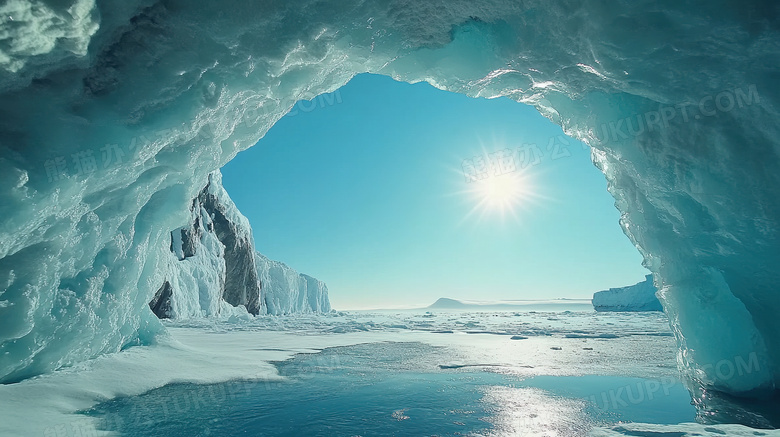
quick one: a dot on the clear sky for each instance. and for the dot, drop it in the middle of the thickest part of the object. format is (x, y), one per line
(367, 190)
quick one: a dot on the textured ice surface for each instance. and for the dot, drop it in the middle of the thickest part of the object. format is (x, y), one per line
(637, 297)
(214, 270)
(103, 149)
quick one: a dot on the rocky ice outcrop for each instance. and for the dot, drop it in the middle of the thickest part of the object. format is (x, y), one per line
(637, 297)
(214, 270)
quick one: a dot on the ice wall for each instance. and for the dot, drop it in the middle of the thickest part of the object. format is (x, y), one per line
(637, 297)
(112, 113)
(285, 291)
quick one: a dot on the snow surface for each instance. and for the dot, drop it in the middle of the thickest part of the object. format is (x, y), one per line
(637, 297)
(112, 115)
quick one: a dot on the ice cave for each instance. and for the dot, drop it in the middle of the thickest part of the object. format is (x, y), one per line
(116, 117)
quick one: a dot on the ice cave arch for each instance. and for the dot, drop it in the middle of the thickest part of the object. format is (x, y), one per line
(112, 116)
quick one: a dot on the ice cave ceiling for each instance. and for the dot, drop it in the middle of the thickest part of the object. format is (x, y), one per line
(112, 114)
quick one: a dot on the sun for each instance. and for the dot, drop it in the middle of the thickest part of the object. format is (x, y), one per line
(501, 192)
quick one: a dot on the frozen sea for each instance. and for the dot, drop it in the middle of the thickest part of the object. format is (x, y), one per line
(568, 372)
(434, 373)
(397, 389)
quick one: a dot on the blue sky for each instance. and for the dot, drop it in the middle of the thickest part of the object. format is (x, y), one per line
(366, 189)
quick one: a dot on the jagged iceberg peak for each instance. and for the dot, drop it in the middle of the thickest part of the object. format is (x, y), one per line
(211, 266)
(213, 269)
(103, 151)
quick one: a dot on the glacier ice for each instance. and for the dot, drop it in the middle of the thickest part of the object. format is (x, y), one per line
(637, 297)
(286, 291)
(104, 149)
(214, 270)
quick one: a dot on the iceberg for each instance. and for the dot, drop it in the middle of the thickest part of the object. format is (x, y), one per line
(637, 297)
(211, 264)
(285, 291)
(113, 115)
(214, 270)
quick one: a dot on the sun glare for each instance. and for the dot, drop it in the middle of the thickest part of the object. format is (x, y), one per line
(502, 192)
(504, 196)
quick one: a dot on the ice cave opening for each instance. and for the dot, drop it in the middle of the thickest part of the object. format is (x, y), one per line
(397, 195)
(714, 403)
(113, 116)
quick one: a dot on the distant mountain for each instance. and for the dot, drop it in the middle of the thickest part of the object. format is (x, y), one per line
(448, 303)
(445, 303)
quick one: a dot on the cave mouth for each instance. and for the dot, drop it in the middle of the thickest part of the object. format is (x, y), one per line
(713, 406)
(407, 194)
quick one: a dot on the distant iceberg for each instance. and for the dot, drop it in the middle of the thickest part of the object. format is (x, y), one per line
(637, 297)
